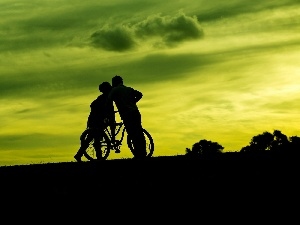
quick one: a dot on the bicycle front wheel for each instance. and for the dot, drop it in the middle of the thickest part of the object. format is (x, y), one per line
(149, 143)
(102, 153)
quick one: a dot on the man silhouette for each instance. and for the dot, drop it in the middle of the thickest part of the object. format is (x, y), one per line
(99, 114)
(126, 99)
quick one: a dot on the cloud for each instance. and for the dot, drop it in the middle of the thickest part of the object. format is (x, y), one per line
(113, 38)
(170, 29)
(157, 30)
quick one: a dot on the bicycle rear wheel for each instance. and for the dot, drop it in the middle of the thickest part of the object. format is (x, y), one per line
(149, 143)
(90, 152)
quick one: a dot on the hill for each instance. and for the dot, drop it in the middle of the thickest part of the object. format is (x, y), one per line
(158, 174)
(169, 187)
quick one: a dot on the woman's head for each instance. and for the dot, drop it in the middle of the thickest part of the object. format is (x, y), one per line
(105, 87)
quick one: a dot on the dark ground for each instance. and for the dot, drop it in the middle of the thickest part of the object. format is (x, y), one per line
(232, 180)
(170, 173)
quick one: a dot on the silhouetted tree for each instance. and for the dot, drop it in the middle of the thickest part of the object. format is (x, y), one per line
(259, 143)
(204, 148)
(262, 141)
(294, 146)
(280, 142)
(276, 143)
(248, 148)
(188, 150)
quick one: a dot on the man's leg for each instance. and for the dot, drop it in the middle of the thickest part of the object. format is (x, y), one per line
(141, 143)
(135, 131)
(140, 138)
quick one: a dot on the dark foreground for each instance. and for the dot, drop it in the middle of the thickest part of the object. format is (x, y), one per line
(249, 184)
(231, 188)
(168, 175)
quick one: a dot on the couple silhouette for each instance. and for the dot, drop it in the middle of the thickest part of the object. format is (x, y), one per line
(102, 114)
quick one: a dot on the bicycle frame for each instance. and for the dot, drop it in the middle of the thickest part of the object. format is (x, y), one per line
(110, 142)
(119, 127)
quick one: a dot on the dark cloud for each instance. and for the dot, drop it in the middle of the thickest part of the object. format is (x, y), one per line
(170, 29)
(113, 39)
(51, 27)
(166, 30)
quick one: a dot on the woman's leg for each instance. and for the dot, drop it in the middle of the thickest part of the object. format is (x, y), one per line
(84, 144)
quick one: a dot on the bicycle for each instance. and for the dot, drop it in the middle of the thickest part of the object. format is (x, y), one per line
(107, 145)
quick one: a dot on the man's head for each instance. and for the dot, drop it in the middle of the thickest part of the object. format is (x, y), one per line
(105, 87)
(116, 80)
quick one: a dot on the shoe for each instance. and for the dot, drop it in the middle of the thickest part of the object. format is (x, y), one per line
(78, 158)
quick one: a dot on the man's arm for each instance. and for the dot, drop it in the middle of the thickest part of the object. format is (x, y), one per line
(137, 95)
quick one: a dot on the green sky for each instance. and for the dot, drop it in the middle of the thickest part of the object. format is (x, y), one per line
(218, 70)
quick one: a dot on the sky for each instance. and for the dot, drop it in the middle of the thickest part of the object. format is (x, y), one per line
(223, 71)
